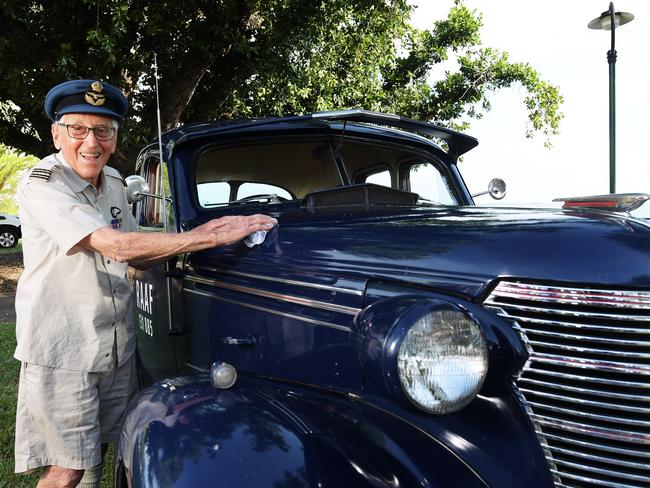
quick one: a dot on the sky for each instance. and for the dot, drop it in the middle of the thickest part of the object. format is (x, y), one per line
(552, 36)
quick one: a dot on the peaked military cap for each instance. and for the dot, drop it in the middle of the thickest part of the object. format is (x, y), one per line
(85, 97)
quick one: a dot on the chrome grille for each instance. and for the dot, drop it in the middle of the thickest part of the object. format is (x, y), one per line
(586, 385)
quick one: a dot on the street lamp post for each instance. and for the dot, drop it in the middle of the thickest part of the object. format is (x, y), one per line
(610, 20)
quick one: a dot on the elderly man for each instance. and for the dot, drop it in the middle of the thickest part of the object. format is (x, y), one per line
(74, 333)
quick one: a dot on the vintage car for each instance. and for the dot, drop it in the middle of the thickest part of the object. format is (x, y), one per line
(388, 332)
(9, 230)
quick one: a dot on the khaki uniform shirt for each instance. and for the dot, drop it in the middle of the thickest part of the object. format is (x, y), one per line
(72, 305)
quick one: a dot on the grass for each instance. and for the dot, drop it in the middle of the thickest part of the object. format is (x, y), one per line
(11, 250)
(9, 369)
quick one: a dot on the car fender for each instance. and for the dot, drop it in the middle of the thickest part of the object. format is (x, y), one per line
(186, 433)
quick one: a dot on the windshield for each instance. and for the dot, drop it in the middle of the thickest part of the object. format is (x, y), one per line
(289, 170)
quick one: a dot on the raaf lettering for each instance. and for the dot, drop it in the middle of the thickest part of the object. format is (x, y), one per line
(144, 302)
(144, 296)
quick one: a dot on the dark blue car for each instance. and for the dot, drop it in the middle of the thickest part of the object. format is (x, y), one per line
(388, 333)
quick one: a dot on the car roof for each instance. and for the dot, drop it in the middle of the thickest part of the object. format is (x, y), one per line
(457, 142)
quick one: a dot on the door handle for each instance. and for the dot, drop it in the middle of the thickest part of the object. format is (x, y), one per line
(241, 341)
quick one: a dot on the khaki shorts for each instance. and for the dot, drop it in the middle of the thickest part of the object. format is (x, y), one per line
(63, 416)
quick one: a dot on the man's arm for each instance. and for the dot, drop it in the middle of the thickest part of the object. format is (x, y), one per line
(142, 250)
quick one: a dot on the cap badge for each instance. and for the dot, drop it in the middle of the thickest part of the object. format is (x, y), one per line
(95, 97)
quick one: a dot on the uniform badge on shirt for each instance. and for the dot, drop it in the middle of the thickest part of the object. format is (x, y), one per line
(116, 222)
(41, 173)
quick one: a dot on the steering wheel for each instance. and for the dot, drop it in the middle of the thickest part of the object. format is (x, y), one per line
(270, 197)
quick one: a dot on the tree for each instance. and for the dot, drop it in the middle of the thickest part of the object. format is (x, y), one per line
(251, 58)
(12, 165)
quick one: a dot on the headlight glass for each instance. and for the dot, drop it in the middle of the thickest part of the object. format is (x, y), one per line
(442, 361)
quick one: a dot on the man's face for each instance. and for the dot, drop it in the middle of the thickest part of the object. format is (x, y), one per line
(87, 157)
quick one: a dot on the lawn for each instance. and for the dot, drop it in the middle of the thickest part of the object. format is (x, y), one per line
(11, 250)
(9, 368)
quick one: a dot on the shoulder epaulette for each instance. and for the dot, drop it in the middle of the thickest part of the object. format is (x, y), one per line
(44, 168)
(40, 173)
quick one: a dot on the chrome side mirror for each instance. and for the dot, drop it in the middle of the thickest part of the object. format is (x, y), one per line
(496, 189)
(136, 188)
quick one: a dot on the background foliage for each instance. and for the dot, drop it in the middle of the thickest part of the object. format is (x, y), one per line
(12, 165)
(253, 58)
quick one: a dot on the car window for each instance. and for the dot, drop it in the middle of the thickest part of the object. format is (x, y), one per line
(288, 169)
(251, 189)
(292, 169)
(152, 211)
(425, 180)
(366, 162)
(380, 178)
(213, 193)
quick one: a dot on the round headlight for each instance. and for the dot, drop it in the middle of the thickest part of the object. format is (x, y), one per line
(442, 361)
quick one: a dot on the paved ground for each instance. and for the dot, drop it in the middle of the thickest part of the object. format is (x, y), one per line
(11, 265)
(7, 311)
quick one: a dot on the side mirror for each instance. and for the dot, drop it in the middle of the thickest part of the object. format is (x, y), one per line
(496, 189)
(136, 188)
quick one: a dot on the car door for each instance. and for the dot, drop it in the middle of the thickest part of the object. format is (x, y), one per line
(158, 314)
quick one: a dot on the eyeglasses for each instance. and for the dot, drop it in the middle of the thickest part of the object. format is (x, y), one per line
(102, 132)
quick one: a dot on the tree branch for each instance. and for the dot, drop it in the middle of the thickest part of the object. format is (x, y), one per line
(25, 142)
(17, 36)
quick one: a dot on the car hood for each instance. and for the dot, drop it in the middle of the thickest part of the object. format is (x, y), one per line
(458, 249)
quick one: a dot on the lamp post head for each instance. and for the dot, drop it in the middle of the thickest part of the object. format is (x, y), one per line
(604, 22)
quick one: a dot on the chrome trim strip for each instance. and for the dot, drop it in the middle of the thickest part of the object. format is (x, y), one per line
(283, 281)
(600, 447)
(197, 368)
(590, 350)
(580, 401)
(606, 472)
(586, 296)
(593, 364)
(600, 340)
(590, 379)
(331, 307)
(271, 311)
(592, 431)
(568, 289)
(602, 418)
(589, 300)
(570, 313)
(608, 484)
(587, 391)
(600, 459)
(575, 325)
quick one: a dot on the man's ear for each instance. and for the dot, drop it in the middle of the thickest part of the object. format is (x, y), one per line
(55, 136)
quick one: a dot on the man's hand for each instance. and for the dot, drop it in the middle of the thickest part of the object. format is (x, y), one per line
(234, 228)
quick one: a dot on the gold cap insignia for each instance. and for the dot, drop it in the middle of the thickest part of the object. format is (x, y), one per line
(95, 97)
